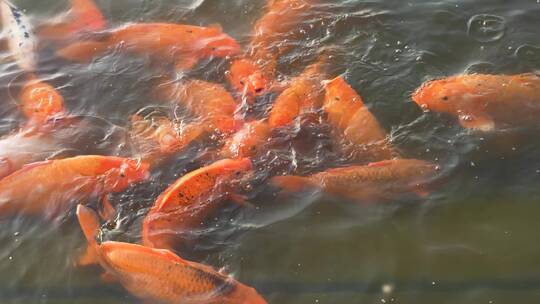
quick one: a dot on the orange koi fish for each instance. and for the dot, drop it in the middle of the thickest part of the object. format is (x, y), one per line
(380, 181)
(353, 121)
(210, 102)
(484, 102)
(255, 73)
(184, 45)
(247, 142)
(304, 94)
(189, 201)
(47, 188)
(84, 16)
(40, 102)
(157, 138)
(160, 276)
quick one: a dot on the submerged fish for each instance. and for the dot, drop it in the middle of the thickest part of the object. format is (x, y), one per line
(255, 73)
(20, 36)
(210, 102)
(40, 102)
(484, 102)
(84, 16)
(304, 94)
(158, 138)
(376, 182)
(160, 276)
(248, 141)
(183, 45)
(46, 188)
(189, 201)
(358, 130)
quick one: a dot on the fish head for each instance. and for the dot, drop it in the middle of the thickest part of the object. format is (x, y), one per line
(234, 167)
(336, 86)
(444, 95)
(41, 101)
(248, 141)
(246, 76)
(120, 173)
(218, 44)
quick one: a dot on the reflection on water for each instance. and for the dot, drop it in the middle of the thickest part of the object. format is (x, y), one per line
(471, 241)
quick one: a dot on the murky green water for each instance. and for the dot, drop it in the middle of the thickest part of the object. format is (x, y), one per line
(471, 241)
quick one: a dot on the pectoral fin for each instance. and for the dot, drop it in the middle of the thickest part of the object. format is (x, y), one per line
(107, 211)
(480, 122)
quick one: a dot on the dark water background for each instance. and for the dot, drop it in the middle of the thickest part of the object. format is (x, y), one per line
(474, 240)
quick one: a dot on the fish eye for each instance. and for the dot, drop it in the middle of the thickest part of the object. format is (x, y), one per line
(258, 90)
(214, 48)
(122, 175)
(238, 173)
(242, 82)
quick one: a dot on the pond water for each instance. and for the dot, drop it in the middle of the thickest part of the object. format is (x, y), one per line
(470, 241)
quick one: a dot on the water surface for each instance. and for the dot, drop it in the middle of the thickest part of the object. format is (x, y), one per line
(471, 241)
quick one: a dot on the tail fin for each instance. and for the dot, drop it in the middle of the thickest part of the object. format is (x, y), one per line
(86, 16)
(84, 51)
(292, 183)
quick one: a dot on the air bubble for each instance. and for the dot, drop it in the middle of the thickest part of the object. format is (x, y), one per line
(486, 28)
(529, 54)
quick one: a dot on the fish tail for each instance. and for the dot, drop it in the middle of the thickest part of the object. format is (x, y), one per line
(87, 16)
(290, 183)
(83, 51)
